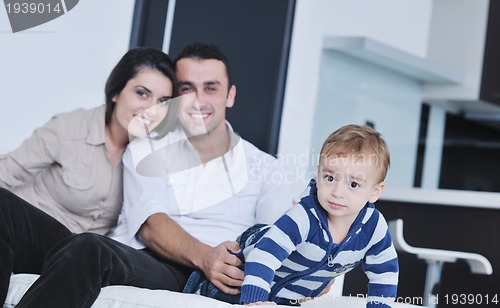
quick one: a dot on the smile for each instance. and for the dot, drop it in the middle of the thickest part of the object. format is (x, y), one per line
(199, 115)
(142, 120)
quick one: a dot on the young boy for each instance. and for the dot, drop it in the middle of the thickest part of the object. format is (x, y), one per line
(329, 232)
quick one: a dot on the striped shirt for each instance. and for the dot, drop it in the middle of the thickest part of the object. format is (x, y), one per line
(296, 258)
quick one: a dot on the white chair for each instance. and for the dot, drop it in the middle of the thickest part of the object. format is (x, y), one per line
(435, 258)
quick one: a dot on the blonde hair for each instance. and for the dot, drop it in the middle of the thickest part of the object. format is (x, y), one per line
(361, 142)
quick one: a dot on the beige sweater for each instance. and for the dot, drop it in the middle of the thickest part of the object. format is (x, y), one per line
(63, 169)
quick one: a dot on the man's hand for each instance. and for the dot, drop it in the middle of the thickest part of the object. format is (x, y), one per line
(164, 236)
(220, 267)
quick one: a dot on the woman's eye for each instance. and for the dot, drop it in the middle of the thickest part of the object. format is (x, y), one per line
(354, 185)
(141, 93)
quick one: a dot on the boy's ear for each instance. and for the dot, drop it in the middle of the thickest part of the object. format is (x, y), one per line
(376, 192)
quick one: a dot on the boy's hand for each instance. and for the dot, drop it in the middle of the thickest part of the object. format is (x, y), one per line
(327, 288)
(260, 303)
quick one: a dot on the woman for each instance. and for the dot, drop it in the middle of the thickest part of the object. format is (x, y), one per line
(71, 167)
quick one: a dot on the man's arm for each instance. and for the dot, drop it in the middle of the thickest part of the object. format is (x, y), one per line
(147, 206)
(165, 237)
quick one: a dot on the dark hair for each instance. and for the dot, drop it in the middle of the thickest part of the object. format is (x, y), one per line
(204, 51)
(128, 67)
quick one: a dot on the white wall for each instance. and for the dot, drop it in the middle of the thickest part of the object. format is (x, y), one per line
(63, 64)
(457, 39)
(60, 65)
(403, 24)
(354, 91)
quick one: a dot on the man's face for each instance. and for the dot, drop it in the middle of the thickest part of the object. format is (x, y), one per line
(204, 87)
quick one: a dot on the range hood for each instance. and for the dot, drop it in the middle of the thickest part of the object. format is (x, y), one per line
(388, 57)
(429, 72)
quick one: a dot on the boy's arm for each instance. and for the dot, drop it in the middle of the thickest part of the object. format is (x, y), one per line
(382, 269)
(268, 254)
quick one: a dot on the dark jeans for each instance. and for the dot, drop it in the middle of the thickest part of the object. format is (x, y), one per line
(26, 236)
(73, 267)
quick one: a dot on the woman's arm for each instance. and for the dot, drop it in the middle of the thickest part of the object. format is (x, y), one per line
(33, 155)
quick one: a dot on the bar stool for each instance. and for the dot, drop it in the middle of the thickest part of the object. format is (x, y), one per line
(435, 258)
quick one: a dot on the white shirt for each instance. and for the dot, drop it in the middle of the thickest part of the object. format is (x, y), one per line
(214, 202)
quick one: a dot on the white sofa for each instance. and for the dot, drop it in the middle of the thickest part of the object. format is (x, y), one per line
(120, 296)
(132, 297)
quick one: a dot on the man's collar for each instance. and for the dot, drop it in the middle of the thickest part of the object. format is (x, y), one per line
(180, 135)
(234, 138)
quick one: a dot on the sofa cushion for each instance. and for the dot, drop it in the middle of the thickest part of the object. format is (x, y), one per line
(121, 296)
(133, 297)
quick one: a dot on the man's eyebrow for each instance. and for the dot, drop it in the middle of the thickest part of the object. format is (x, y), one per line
(206, 83)
(215, 82)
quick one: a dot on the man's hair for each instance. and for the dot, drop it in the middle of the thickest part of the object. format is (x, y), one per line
(361, 142)
(202, 51)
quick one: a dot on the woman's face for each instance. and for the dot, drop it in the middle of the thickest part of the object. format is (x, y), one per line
(142, 103)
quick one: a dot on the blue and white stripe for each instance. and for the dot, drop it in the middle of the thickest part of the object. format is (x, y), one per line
(291, 261)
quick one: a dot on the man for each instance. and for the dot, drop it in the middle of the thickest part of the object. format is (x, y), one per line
(199, 238)
(172, 217)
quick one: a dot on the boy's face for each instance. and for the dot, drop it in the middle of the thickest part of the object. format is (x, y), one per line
(345, 185)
